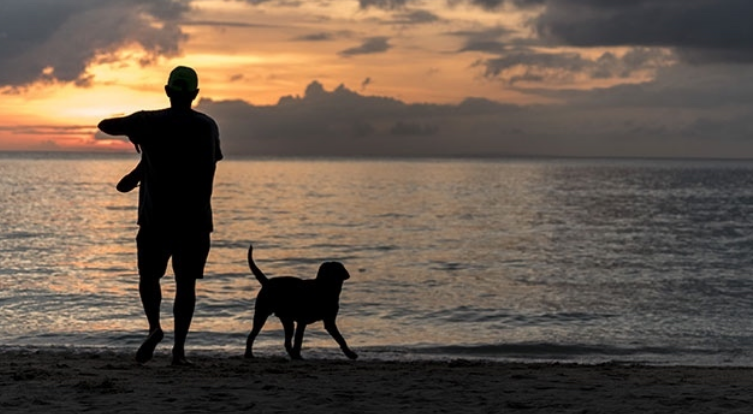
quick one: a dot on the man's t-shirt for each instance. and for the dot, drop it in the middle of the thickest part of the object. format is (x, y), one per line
(180, 149)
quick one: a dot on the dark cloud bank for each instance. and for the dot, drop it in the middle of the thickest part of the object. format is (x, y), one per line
(661, 119)
(700, 31)
(344, 123)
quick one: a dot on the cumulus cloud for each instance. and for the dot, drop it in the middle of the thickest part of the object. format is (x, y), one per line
(56, 40)
(342, 122)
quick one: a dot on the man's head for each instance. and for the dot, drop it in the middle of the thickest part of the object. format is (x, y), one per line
(182, 85)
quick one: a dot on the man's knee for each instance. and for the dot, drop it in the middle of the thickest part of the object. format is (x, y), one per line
(148, 281)
(185, 287)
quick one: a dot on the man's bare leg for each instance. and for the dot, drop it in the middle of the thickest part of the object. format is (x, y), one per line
(183, 310)
(150, 292)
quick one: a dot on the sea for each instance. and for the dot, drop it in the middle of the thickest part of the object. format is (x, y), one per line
(643, 261)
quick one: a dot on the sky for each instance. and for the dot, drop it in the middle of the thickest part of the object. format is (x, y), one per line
(432, 78)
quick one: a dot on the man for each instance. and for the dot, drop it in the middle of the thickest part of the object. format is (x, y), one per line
(179, 150)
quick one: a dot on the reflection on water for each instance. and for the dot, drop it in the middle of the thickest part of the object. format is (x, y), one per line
(493, 257)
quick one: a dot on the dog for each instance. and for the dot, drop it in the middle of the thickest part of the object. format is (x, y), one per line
(298, 301)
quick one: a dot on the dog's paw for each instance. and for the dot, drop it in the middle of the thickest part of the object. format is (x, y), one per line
(350, 354)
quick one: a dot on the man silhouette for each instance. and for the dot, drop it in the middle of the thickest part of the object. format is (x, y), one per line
(179, 151)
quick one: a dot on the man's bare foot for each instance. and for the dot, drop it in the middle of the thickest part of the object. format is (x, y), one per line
(181, 361)
(146, 350)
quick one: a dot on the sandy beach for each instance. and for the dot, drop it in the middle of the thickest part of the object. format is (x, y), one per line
(63, 381)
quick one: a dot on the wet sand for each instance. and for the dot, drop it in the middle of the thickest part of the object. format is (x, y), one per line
(64, 381)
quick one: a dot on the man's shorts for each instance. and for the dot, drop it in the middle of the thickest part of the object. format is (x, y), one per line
(189, 251)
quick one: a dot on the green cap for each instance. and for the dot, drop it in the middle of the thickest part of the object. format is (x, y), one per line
(183, 79)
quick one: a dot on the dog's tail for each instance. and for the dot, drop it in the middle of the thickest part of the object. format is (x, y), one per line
(260, 276)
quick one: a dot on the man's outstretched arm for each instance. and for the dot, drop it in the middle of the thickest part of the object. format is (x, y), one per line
(115, 126)
(126, 125)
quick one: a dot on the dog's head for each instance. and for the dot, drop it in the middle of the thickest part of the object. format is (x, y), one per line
(332, 272)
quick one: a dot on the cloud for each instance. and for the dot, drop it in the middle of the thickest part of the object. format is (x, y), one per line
(49, 41)
(278, 3)
(701, 31)
(495, 5)
(722, 88)
(47, 130)
(487, 4)
(514, 61)
(48, 145)
(487, 40)
(255, 2)
(383, 4)
(698, 31)
(366, 82)
(379, 44)
(316, 37)
(212, 23)
(413, 129)
(101, 136)
(413, 17)
(529, 65)
(324, 36)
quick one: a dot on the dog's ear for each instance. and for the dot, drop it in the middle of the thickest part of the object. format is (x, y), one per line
(332, 271)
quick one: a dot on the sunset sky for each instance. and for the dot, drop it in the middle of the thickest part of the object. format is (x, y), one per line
(667, 78)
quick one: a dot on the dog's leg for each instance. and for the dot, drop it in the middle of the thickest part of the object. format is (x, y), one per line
(288, 325)
(259, 319)
(331, 327)
(298, 343)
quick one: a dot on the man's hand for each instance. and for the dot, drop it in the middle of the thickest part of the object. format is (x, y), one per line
(128, 183)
